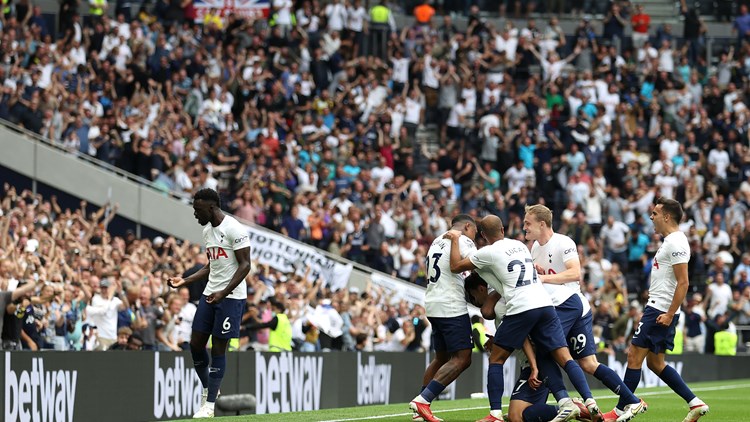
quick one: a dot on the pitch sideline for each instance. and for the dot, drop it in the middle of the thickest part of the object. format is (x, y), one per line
(645, 393)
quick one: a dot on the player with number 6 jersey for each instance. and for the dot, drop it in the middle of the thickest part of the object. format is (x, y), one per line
(445, 305)
(220, 309)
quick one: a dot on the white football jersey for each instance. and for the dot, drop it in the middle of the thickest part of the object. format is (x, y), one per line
(674, 250)
(445, 296)
(507, 267)
(221, 242)
(552, 257)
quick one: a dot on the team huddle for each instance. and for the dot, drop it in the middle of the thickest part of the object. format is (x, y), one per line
(542, 317)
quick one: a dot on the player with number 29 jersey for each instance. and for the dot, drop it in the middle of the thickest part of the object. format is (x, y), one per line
(507, 267)
(445, 296)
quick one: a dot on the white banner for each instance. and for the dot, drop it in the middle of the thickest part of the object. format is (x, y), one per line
(289, 256)
(399, 289)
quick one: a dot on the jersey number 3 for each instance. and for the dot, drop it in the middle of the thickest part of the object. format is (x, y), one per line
(522, 280)
(435, 259)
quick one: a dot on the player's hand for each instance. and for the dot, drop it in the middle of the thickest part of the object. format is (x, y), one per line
(175, 282)
(664, 319)
(452, 235)
(539, 269)
(216, 297)
(488, 343)
(534, 380)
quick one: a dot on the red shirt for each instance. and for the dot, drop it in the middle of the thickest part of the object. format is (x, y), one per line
(640, 23)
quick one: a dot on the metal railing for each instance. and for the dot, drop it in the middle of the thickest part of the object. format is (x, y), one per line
(93, 160)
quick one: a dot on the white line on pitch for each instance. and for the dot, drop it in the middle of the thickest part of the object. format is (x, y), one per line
(645, 393)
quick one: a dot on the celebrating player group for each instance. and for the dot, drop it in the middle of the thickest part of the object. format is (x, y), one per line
(535, 298)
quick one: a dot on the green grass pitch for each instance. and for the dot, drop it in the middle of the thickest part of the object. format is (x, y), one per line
(729, 402)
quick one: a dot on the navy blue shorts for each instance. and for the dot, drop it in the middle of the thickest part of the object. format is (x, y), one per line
(451, 334)
(578, 330)
(542, 324)
(523, 391)
(652, 336)
(221, 320)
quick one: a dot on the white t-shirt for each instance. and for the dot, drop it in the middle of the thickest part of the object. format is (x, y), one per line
(221, 242)
(721, 160)
(103, 314)
(356, 18)
(615, 236)
(507, 267)
(552, 257)
(184, 329)
(674, 250)
(413, 111)
(445, 296)
(336, 14)
(719, 301)
(400, 70)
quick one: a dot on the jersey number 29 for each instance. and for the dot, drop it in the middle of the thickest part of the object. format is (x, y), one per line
(522, 280)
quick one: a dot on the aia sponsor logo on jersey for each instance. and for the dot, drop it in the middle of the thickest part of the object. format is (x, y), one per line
(215, 253)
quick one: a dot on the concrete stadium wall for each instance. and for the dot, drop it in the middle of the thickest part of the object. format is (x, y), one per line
(143, 386)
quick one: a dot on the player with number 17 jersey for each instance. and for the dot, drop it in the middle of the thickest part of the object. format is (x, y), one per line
(445, 296)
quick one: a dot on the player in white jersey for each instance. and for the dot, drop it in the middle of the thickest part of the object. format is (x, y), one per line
(507, 267)
(556, 260)
(528, 401)
(445, 305)
(220, 309)
(655, 332)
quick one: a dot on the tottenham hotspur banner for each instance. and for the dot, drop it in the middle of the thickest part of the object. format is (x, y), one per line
(289, 256)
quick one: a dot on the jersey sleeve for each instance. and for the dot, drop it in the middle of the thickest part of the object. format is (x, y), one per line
(481, 258)
(568, 249)
(466, 246)
(679, 253)
(239, 237)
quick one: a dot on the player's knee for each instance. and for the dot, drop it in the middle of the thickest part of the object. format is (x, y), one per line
(589, 364)
(655, 364)
(464, 361)
(515, 413)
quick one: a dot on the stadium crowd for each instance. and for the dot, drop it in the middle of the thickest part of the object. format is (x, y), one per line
(309, 134)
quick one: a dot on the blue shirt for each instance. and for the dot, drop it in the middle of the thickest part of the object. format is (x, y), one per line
(526, 153)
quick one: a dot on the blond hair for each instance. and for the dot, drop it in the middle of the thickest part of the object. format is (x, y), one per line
(541, 213)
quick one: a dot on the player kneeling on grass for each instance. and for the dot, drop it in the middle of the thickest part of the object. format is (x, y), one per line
(528, 401)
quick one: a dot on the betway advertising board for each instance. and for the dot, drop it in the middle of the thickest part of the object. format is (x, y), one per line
(148, 386)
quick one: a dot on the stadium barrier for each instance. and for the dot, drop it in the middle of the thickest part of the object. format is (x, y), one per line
(146, 386)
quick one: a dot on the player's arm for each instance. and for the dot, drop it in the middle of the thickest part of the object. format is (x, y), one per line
(572, 273)
(528, 349)
(243, 268)
(199, 276)
(458, 265)
(681, 274)
(488, 307)
(261, 325)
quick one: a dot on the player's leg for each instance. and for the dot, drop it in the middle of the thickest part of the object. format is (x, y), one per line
(202, 327)
(528, 404)
(453, 336)
(673, 379)
(548, 335)
(509, 336)
(228, 315)
(583, 349)
(440, 359)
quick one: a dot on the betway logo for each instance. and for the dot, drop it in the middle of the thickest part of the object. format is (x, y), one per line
(287, 383)
(373, 381)
(177, 390)
(648, 377)
(39, 395)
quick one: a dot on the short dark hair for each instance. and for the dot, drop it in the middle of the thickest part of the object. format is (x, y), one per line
(208, 195)
(473, 281)
(462, 218)
(671, 207)
(277, 304)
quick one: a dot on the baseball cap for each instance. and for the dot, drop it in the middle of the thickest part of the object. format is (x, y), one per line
(158, 240)
(105, 282)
